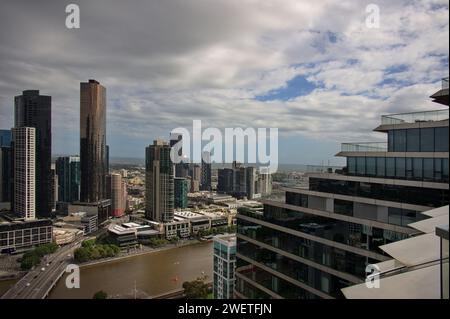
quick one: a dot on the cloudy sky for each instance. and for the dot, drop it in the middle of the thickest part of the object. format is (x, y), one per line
(311, 68)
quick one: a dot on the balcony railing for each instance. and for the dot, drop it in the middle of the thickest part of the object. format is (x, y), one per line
(414, 117)
(364, 147)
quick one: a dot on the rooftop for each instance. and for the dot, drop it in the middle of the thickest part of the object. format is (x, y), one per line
(415, 117)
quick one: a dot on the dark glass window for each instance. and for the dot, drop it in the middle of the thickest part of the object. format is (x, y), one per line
(400, 167)
(351, 165)
(361, 165)
(428, 169)
(381, 166)
(427, 140)
(399, 140)
(343, 207)
(445, 169)
(438, 169)
(441, 139)
(296, 199)
(390, 166)
(417, 168)
(413, 140)
(371, 168)
(409, 168)
(391, 141)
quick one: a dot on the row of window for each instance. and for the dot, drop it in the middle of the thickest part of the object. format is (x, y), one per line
(351, 234)
(332, 257)
(411, 168)
(397, 193)
(298, 271)
(434, 139)
(396, 216)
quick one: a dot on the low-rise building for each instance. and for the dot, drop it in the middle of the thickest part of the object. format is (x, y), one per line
(63, 236)
(197, 221)
(22, 235)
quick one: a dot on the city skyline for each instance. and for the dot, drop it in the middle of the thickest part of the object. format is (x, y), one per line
(284, 63)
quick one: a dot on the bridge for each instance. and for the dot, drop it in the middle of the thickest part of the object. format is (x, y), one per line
(38, 283)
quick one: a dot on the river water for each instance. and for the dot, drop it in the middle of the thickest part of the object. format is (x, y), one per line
(152, 274)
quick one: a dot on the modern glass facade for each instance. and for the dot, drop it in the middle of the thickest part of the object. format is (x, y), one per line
(320, 239)
(181, 187)
(69, 174)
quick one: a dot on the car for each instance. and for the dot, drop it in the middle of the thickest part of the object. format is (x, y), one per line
(28, 284)
(42, 269)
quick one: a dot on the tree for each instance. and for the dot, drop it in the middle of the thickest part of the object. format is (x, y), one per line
(196, 289)
(100, 295)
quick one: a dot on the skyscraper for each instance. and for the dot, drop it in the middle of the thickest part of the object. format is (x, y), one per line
(181, 186)
(5, 138)
(159, 185)
(320, 239)
(224, 266)
(205, 181)
(24, 171)
(68, 171)
(34, 110)
(93, 154)
(116, 191)
(6, 175)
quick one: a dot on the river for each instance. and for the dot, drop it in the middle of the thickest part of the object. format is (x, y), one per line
(154, 273)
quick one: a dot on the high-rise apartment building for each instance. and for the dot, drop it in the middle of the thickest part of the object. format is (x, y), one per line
(34, 110)
(159, 185)
(320, 239)
(224, 266)
(181, 188)
(117, 192)
(93, 152)
(24, 139)
(195, 173)
(205, 178)
(69, 175)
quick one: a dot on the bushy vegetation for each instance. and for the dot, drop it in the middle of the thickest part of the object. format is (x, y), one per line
(196, 289)
(100, 295)
(154, 242)
(91, 250)
(217, 230)
(33, 257)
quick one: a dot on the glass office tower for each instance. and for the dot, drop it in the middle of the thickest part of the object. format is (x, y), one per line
(320, 239)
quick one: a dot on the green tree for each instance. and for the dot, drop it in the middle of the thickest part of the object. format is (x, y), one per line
(100, 295)
(196, 289)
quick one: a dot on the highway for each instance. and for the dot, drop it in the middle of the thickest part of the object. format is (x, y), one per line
(37, 282)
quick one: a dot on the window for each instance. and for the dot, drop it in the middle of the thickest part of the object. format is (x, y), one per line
(417, 168)
(428, 169)
(343, 207)
(399, 140)
(351, 165)
(381, 166)
(391, 141)
(409, 168)
(371, 168)
(413, 140)
(390, 166)
(441, 139)
(400, 166)
(427, 140)
(361, 165)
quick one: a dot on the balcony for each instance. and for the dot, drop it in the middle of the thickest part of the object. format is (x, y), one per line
(414, 117)
(364, 147)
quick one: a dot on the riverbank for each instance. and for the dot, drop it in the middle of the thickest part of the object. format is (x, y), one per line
(141, 252)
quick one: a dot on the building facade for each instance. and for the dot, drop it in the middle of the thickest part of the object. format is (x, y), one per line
(181, 188)
(5, 138)
(18, 236)
(116, 190)
(224, 266)
(24, 139)
(34, 110)
(159, 183)
(93, 152)
(69, 176)
(320, 239)
(205, 177)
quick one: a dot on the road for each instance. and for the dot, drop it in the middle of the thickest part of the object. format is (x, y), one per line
(37, 282)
